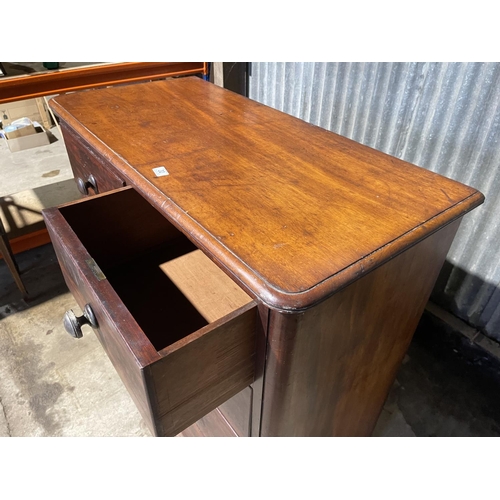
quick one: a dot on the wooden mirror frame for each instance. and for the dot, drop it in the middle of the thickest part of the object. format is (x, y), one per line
(15, 88)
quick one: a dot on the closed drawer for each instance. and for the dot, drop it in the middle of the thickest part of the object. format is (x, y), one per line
(180, 333)
(93, 175)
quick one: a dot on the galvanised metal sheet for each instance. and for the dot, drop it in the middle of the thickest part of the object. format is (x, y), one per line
(441, 116)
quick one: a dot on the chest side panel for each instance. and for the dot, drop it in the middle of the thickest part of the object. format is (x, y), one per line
(329, 370)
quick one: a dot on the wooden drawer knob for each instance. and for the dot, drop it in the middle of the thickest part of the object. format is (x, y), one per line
(83, 186)
(73, 323)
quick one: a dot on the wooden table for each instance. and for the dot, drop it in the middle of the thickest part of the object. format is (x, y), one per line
(246, 272)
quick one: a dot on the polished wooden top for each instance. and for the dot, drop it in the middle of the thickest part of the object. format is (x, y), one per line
(292, 211)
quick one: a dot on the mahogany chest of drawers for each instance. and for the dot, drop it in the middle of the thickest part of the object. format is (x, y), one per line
(247, 273)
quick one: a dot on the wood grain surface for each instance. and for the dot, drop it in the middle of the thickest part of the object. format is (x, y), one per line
(289, 210)
(330, 368)
(204, 370)
(213, 293)
(84, 162)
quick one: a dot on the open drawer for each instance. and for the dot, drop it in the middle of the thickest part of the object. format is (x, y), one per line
(180, 333)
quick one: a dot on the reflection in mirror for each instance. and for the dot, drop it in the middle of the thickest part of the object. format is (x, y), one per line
(28, 68)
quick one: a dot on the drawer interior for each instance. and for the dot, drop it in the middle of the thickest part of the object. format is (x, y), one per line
(170, 287)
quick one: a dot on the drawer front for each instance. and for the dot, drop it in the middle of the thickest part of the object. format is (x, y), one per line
(204, 370)
(87, 288)
(175, 386)
(86, 163)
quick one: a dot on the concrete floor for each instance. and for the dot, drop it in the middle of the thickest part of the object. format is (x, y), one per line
(34, 168)
(32, 180)
(53, 385)
(50, 383)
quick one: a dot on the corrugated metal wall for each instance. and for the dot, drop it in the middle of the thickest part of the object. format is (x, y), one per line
(441, 116)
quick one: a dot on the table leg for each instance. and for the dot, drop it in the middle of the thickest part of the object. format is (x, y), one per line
(8, 256)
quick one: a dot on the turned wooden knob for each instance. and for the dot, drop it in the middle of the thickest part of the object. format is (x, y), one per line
(73, 323)
(83, 186)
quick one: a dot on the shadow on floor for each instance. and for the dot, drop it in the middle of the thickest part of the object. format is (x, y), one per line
(41, 275)
(12, 69)
(22, 212)
(447, 385)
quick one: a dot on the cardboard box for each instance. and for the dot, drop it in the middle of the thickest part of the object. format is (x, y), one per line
(34, 109)
(21, 132)
(38, 137)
